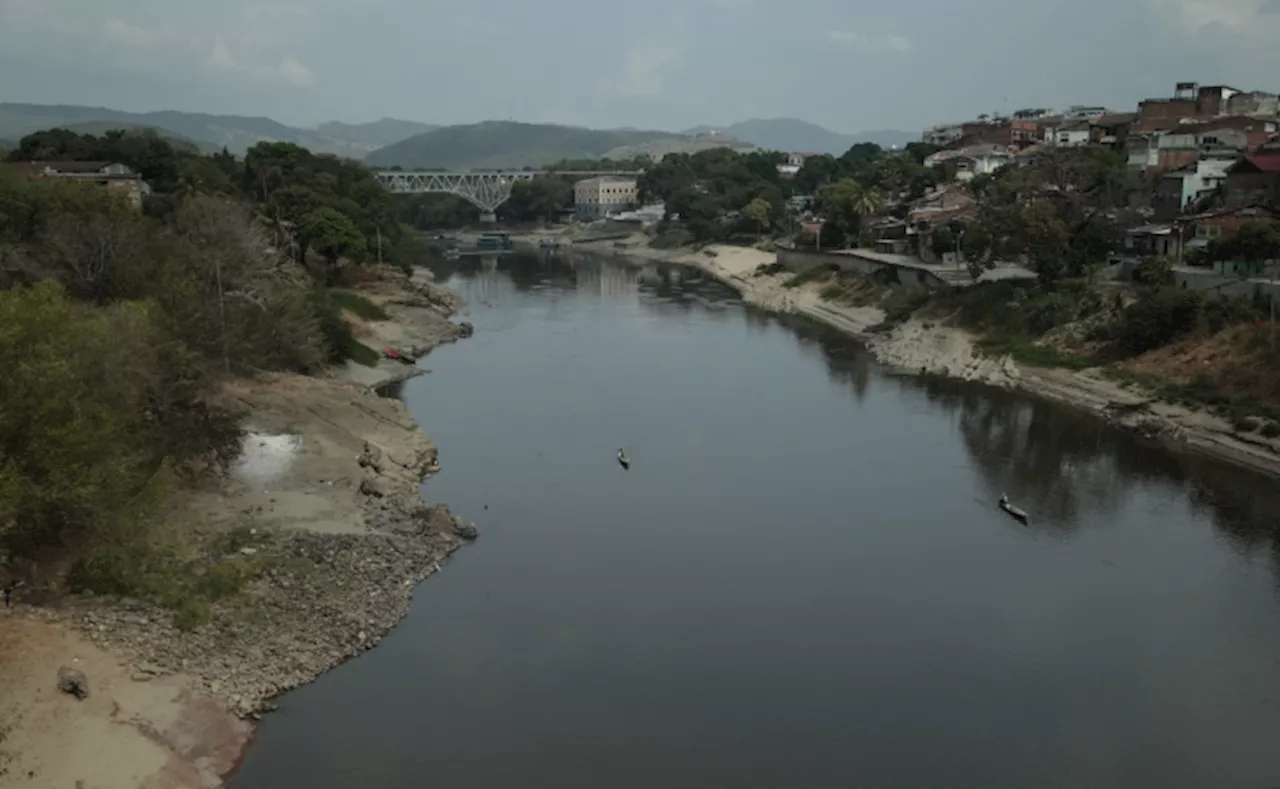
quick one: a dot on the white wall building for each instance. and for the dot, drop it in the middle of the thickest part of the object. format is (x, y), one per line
(596, 198)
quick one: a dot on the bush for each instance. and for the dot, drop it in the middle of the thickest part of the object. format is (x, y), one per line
(1157, 319)
(358, 305)
(1271, 430)
(810, 274)
(671, 239)
(341, 344)
(97, 404)
(1245, 424)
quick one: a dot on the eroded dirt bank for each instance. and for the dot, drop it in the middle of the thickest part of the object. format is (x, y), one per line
(919, 346)
(323, 509)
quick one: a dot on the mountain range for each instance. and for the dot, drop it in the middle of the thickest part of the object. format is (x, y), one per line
(410, 144)
(508, 145)
(234, 132)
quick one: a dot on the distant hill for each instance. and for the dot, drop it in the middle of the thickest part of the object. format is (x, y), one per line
(378, 134)
(236, 133)
(507, 145)
(794, 135)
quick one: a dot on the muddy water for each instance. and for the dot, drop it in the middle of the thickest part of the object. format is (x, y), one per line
(801, 581)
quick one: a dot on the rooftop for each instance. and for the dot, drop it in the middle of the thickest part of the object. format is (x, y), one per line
(1262, 162)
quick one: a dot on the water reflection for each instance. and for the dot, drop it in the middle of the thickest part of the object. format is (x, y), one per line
(802, 580)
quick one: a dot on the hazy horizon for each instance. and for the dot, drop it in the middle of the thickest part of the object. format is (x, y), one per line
(848, 67)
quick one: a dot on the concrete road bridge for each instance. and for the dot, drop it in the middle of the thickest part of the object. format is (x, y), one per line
(483, 189)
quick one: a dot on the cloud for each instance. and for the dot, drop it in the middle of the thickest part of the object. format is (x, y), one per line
(877, 45)
(649, 61)
(1193, 16)
(288, 70)
(178, 43)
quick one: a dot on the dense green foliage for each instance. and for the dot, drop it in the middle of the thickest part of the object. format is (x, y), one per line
(1059, 212)
(116, 325)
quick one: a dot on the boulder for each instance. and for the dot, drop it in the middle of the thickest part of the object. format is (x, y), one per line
(375, 487)
(466, 531)
(73, 682)
(371, 457)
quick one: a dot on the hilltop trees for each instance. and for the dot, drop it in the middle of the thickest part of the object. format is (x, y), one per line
(117, 326)
(1059, 211)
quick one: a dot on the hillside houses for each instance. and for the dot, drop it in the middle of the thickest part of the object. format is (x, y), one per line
(1203, 148)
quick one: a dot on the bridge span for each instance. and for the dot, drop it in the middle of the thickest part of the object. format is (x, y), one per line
(483, 189)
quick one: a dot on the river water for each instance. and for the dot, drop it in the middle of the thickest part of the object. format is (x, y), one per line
(803, 579)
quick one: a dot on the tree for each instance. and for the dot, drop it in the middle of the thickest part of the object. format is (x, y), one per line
(1253, 244)
(330, 233)
(844, 203)
(758, 211)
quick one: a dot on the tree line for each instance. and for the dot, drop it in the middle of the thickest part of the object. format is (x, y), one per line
(117, 326)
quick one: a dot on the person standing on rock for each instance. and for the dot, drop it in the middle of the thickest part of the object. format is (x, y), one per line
(8, 593)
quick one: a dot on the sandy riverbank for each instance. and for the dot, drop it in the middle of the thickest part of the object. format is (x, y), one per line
(325, 499)
(919, 346)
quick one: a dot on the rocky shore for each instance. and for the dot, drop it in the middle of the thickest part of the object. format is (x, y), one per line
(323, 511)
(931, 348)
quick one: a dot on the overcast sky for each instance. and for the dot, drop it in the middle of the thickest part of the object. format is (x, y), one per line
(849, 65)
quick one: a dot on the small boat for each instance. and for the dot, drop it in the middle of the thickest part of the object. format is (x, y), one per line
(623, 460)
(1015, 512)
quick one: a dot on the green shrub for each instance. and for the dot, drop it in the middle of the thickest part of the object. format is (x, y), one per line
(831, 292)
(358, 305)
(1271, 430)
(1245, 424)
(671, 239)
(810, 274)
(1157, 319)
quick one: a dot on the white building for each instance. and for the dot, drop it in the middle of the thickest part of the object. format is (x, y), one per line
(944, 134)
(596, 198)
(1069, 134)
(973, 160)
(1080, 112)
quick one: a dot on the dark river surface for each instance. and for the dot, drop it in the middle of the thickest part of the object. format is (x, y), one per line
(803, 580)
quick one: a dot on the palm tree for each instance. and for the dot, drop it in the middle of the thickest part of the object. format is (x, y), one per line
(866, 201)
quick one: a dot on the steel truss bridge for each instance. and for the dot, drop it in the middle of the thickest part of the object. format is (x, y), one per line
(485, 190)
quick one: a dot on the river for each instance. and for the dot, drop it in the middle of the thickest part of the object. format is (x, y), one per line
(803, 579)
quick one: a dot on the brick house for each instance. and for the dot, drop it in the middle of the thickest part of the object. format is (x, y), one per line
(1255, 179)
(1190, 100)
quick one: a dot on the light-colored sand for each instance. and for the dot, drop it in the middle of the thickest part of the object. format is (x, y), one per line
(153, 733)
(299, 471)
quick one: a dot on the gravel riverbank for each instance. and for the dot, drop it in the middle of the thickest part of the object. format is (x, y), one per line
(323, 509)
